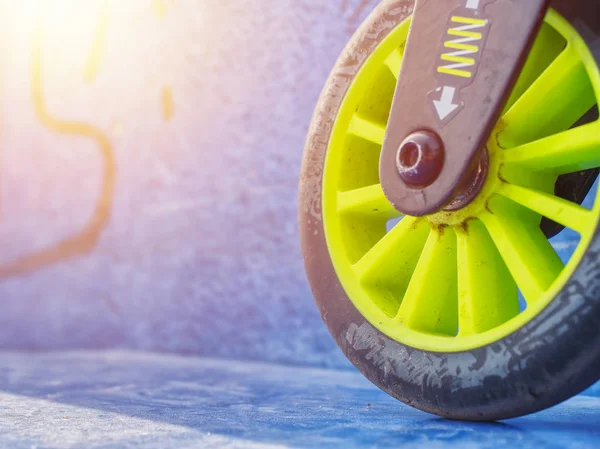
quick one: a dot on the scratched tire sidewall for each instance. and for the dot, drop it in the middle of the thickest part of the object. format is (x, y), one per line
(551, 358)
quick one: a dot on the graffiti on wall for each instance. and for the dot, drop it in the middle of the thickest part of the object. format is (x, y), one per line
(84, 240)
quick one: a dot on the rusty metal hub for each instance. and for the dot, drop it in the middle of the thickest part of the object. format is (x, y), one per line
(472, 184)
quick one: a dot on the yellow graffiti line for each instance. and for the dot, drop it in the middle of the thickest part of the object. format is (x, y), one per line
(160, 8)
(92, 66)
(86, 239)
(168, 104)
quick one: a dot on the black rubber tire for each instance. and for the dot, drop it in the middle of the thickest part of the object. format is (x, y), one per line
(550, 359)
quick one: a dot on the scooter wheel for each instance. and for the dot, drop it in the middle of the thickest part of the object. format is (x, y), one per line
(469, 313)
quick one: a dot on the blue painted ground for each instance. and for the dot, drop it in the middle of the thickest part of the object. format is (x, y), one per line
(128, 400)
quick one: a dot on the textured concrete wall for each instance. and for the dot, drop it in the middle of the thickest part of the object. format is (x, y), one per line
(149, 160)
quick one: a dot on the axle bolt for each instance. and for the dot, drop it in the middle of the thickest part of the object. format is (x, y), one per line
(420, 159)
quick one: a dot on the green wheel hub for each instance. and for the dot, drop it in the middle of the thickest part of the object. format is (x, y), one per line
(453, 281)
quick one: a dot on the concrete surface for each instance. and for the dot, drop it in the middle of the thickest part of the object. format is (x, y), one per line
(196, 249)
(129, 400)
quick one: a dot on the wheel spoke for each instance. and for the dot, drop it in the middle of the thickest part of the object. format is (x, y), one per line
(546, 47)
(532, 261)
(431, 300)
(553, 103)
(397, 249)
(394, 62)
(556, 209)
(568, 152)
(487, 294)
(368, 130)
(370, 201)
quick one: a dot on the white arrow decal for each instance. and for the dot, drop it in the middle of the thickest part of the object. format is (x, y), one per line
(473, 4)
(445, 105)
